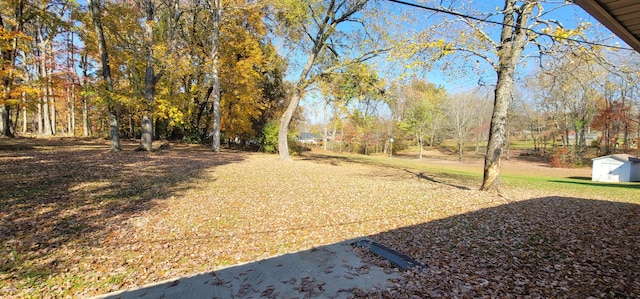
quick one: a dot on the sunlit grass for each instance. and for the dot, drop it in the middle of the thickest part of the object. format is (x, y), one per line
(472, 177)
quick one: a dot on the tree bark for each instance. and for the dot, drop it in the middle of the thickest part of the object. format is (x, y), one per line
(73, 110)
(324, 125)
(69, 129)
(106, 75)
(150, 80)
(85, 100)
(40, 124)
(215, 75)
(5, 121)
(513, 38)
(24, 113)
(42, 70)
(52, 98)
(420, 144)
(85, 117)
(46, 115)
(283, 143)
(7, 80)
(326, 27)
(460, 146)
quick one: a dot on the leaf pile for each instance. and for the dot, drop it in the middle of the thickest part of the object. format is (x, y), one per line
(78, 221)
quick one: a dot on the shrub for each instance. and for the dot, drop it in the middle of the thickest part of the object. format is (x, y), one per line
(268, 140)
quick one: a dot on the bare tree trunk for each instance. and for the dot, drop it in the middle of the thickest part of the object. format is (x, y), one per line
(52, 98)
(132, 133)
(460, 146)
(17, 117)
(85, 100)
(507, 142)
(72, 106)
(42, 69)
(106, 74)
(85, 117)
(69, 129)
(341, 137)
(24, 113)
(52, 110)
(73, 109)
(5, 121)
(283, 143)
(333, 136)
(46, 116)
(40, 124)
(215, 73)
(324, 126)
(146, 139)
(420, 144)
(9, 55)
(513, 38)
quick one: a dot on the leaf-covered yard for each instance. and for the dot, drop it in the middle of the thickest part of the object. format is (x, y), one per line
(79, 221)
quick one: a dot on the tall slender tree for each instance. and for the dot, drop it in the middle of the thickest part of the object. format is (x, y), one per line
(216, 14)
(150, 78)
(315, 26)
(94, 7)
(513, 38)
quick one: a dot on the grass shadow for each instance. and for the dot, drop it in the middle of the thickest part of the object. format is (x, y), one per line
(543, 247)
(424, 176)
(70, 195)
(448, 179)
(633, 185)
(581, 178)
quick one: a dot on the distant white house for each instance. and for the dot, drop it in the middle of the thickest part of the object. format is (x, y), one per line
(616, 168)
(309, 138)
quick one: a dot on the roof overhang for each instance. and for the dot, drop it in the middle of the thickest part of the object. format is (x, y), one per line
(622, 17)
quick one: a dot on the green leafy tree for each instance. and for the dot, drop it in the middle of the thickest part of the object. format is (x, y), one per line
(423, 111)
(316, 31)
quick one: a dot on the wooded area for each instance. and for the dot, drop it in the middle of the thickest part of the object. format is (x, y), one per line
(239, 72)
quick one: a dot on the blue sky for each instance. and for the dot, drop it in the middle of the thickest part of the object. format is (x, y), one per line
(568, 15)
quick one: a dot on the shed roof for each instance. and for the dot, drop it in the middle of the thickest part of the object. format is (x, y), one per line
(307, 135)
(622, 17)
(620, 157)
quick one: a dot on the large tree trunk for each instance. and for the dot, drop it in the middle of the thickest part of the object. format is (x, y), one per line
(215, 79)
(5, 121)
(7, 78)
(146, 140)
(44, 77)
(106, 74)
(513, 38)
(283, 143)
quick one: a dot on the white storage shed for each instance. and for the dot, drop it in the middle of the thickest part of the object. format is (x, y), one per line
(616, 168)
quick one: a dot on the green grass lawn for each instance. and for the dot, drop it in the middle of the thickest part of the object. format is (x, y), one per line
(454, 174)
